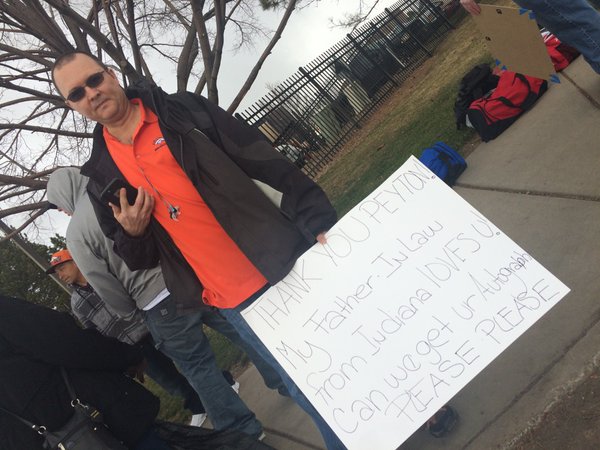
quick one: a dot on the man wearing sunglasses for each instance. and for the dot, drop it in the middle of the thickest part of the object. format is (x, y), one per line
(223, 213)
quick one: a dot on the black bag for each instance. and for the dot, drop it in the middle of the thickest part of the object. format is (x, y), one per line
(475, 84)
(83, 431)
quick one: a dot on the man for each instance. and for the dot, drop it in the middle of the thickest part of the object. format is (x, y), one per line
(574, 22)
(180, 336)
(93, 313)
(201, 210)
(36, 341)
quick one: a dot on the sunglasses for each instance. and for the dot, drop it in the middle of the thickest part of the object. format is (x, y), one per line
(93, 81)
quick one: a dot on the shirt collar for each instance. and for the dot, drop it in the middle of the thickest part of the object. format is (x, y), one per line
(147, 115)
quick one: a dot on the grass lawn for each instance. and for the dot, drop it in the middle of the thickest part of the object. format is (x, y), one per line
(417, 115)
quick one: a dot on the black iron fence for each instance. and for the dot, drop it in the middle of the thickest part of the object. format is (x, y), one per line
(311, 114)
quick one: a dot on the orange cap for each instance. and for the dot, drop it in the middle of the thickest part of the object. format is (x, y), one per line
(61, 256)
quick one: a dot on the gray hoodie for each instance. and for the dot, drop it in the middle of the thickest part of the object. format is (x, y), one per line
(122, 289)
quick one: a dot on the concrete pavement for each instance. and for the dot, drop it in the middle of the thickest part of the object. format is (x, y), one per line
(539, 183)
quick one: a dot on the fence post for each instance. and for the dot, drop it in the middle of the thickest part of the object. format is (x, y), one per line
(378, 31)
(362, 51)
(312, 81)
(438, 13)
(404, 29)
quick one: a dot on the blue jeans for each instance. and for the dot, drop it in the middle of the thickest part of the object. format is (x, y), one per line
(181, 338)
(152, 441)
(213, 319)
(234, 317)
(162, 370)
(574, 22)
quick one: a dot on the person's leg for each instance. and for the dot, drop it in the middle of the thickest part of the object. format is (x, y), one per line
(152, 441)
(213, 319)
(181, 338)
(235, 318)
(574, 22)
(162, 370)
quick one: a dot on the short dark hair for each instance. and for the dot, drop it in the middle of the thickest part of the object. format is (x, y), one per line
(68, 57)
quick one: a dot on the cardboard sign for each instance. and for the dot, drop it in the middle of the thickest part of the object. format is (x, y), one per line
(514, 40)
(413, 295)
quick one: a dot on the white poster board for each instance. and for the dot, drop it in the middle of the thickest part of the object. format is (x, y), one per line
(413, 295)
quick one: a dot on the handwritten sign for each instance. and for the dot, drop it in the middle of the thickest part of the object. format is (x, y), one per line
(414, 293)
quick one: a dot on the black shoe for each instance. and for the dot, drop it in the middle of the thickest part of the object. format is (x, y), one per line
(442, 422)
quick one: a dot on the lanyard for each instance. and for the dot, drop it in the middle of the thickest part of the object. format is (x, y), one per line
(174, 211)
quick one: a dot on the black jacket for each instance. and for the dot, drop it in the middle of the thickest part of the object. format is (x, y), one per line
(34, 342)
(224, 158)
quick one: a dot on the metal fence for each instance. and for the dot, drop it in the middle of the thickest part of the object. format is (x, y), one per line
(311, 114)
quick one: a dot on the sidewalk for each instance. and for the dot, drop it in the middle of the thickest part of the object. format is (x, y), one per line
(539, 182)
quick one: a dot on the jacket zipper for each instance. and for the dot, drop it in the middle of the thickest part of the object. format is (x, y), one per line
(209, 175)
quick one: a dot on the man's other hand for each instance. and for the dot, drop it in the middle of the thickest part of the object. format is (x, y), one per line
(471, 6)
(137, 372)
(321, 239)
(134, 218)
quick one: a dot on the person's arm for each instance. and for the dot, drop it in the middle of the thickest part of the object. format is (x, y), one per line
(96, 271)
(55, 338)
(471, 6)
(139, 252)
(77, 309)
(303, 201)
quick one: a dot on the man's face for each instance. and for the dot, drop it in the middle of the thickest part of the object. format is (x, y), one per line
(105, 103)
(68, 272)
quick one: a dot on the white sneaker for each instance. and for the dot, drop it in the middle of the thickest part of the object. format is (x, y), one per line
(236, 387)
(198, 420)
(262, 436)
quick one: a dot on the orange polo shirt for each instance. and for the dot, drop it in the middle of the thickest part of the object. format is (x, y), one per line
(226, 273)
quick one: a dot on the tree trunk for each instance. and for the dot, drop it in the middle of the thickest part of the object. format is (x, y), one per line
(256, 69)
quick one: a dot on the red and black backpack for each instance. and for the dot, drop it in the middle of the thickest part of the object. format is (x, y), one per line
(514, 95)
(561, 54)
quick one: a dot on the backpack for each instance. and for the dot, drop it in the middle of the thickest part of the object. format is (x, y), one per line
(475, 84)
(444, 161)
(561, 54)
(515, 94)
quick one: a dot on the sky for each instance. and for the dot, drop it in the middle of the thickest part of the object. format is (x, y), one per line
(307, 35)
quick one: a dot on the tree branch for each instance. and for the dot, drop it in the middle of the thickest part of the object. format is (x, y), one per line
(9, 126)
(256, 69)
(22, 181)
(103, 42)
(22, 208)
(29, 221)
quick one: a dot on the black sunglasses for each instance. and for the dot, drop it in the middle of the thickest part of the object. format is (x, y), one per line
(93, 81)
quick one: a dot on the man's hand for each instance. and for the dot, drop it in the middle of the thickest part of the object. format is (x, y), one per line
(321, 239)
(137, 372)
(471, 6)
(134, 218)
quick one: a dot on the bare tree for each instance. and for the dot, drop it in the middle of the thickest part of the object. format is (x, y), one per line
(363, 11)
(136, 37)
(38, 131)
